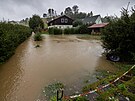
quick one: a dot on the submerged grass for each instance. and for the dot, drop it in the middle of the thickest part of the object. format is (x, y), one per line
(89, 37)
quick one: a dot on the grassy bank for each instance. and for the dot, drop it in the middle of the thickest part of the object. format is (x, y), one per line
(10, 37)
(123, 90)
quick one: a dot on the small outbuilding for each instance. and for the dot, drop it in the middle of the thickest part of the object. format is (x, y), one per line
(96, 28)
(61, 22)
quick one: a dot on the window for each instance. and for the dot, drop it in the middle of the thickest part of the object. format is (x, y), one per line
(66, 20)
(62, 20)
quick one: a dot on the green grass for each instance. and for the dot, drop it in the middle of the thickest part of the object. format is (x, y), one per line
(125, 88)
(44, 32)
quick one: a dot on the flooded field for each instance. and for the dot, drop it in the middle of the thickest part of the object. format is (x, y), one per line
(59, 58)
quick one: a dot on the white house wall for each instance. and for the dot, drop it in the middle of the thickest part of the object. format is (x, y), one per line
(98, 21)
(61, 26)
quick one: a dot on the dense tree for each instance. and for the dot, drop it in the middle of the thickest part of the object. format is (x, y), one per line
(61, 13)
(44, 15)
(119, 36)
(81, 15)
(55, 14)
(50, 12)
(68, 11)
(77, 23)
(109, 18)
(75, 9)
(36, 23)
(90, 14)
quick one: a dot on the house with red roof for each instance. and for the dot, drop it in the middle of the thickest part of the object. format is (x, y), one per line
(96, 28)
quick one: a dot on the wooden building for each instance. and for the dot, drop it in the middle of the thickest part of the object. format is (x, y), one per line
(61, 22)
(96, 28)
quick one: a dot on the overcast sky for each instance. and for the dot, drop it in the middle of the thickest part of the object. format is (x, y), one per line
(20, 9)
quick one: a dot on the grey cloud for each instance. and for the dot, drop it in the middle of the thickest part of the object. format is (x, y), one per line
(19, 9)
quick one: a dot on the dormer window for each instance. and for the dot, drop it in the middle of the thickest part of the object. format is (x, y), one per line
(62, 20)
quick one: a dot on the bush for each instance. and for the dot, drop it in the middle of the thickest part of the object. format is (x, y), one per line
(77, 30)
(10, 37)
(67, 31)
(37, 37)
(51, 31)
(119, 36)
(83, 29)
(55, 31)
(81, 99)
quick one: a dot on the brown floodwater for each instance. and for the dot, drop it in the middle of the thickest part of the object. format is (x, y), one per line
(60, 58)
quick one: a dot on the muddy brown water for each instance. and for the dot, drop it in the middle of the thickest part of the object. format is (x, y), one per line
(60, 58)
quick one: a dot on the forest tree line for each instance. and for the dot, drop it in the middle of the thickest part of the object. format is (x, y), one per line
(72, 12)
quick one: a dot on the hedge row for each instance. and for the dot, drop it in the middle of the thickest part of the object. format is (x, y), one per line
(55, 31)
(10, 37)
(77, 30)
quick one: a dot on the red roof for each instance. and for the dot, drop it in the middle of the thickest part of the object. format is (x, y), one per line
(98, 25)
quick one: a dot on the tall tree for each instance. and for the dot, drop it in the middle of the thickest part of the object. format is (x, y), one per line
(49, 12)
(81, 15)
(68, 11)
(90, 14)
(52, 12)
(61, 13)
(36, 23)
(44, 15)
(119, 37)
(75, 9)
(55, 13)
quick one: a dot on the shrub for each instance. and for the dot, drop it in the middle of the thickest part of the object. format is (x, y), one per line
(37, 37)
(83, 29)
(51, 90)
(10, 37)
(55, 31)
(81, 99)
(119, 38)
(51, 31)
(67, 31)
(77, 30)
